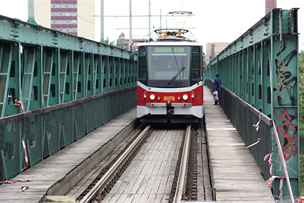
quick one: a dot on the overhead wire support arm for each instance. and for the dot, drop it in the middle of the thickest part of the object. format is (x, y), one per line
(141, 16)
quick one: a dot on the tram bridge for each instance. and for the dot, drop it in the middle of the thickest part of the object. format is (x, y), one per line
(59, 95)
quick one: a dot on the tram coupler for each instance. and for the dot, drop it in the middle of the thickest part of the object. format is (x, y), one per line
(170, 109)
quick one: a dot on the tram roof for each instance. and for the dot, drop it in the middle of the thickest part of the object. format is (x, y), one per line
(168, 43)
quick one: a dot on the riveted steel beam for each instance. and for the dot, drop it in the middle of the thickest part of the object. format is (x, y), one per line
(22, 32)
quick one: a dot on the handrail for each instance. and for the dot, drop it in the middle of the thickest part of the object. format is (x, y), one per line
(283, 161)
(262, 116)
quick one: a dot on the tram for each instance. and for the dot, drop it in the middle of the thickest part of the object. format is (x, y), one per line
(169, 86)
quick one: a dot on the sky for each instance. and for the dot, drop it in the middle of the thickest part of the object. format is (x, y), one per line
(213, 20)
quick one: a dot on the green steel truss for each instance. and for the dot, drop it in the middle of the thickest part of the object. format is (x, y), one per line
(43, 67)
(261, 68)
(68, 85)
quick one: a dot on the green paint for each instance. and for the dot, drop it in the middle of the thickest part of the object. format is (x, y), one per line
(301, 122)
(261, 68)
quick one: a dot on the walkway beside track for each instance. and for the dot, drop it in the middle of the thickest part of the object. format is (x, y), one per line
(49, 171)
(236, 175)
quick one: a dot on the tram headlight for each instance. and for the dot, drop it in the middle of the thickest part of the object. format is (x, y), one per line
(152, 97)
(185, 97)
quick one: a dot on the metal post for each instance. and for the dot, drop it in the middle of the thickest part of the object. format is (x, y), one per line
(149, 19)
(130, 23)
(160, 19)
(31, 12)
(101, 20)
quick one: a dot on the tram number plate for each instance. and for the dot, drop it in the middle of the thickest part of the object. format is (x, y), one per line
(169, 98)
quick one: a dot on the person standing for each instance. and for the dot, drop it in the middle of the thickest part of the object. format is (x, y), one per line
(19, 104)
(216, 89)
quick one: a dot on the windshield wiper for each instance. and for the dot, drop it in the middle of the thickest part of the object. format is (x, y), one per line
(177, 74)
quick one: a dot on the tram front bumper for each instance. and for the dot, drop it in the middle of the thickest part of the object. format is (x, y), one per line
(170, 109)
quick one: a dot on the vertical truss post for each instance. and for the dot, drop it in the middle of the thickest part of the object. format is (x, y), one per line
(284, 86)
(301, 128)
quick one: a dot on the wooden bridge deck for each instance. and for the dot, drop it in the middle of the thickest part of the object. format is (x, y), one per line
(236, 175)
(49, 171)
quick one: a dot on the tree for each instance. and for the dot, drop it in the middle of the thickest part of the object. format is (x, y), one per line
(301, 61)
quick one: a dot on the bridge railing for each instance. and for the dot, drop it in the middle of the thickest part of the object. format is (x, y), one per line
(260, 68)
(54, 89)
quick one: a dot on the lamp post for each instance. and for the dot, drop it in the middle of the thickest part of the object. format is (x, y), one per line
(149, 19)
(130, 24)
(31, 12)
(101, 20)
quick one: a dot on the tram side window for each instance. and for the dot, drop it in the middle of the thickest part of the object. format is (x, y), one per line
(196, 61)
(142, 64)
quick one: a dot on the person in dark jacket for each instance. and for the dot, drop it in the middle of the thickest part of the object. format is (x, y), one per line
(216, 89)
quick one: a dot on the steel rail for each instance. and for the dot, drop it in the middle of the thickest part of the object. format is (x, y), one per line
(183, 168)
(104, 179)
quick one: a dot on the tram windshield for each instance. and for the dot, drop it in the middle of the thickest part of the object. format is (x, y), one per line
(169, 66)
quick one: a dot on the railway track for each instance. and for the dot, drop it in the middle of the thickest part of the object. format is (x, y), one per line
(99, 189)
(182, 172)
(193, 175)
(84, 176)
(162, 168)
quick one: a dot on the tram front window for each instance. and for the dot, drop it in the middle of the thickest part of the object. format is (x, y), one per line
(168, 66)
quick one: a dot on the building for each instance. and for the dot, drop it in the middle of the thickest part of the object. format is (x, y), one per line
(213, 49)
(123, 42)
(86, 18)
(70, 16)
(269, 5)
(64, 16)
